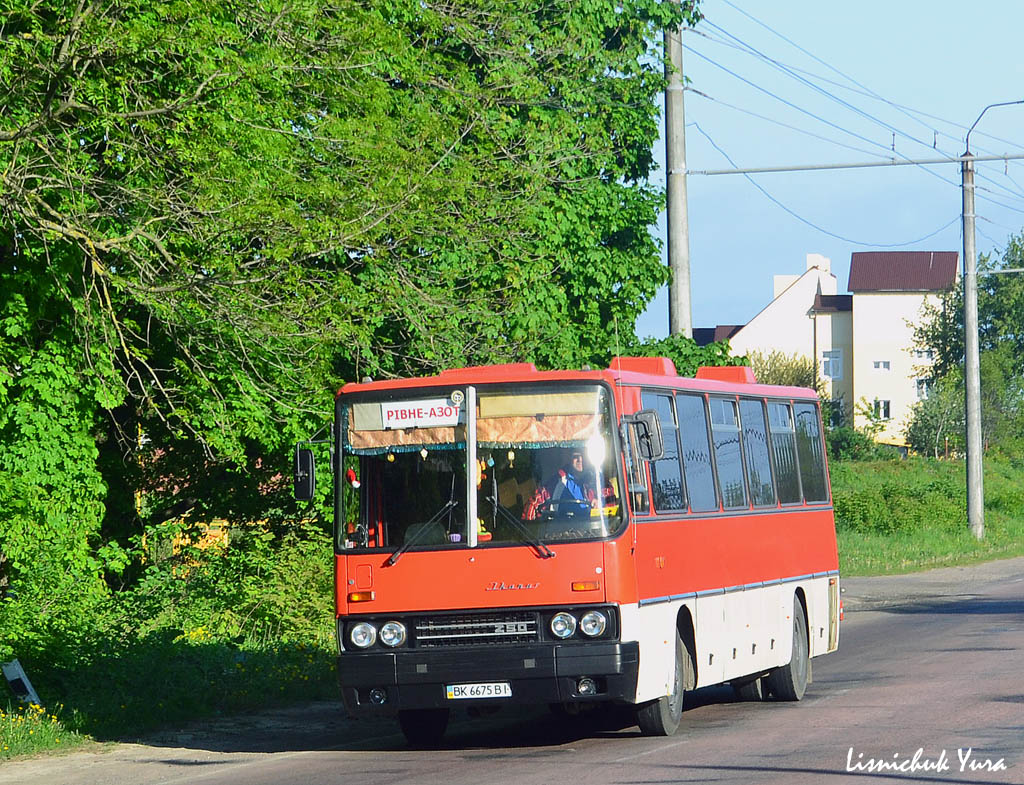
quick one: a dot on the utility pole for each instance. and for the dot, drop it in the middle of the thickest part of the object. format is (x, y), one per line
(972, 362)
(680, 319)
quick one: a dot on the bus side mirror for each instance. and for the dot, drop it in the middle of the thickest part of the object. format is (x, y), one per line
(649, 441)
(305, 474)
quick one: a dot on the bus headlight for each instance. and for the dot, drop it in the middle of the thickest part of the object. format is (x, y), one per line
(563, 625)
(392, 634)
(363, 635)
(593, 624)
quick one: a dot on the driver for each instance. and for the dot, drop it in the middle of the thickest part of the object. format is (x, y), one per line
(568, 487)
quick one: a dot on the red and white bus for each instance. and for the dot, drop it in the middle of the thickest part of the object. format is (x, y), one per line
(508, 535)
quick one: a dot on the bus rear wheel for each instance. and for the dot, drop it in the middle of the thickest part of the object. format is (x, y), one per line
(752, 690)
(661, 717)
(789, 682)
(423, 727)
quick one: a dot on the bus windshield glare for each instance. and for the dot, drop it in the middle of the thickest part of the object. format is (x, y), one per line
(542, 463)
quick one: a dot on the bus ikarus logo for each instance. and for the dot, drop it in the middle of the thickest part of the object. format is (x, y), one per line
(502, 586)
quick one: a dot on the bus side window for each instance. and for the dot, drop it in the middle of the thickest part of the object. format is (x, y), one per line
(693, 427)
(787, 473)
(725, 427)
(811, 452)
(755, 443)
(667, 491)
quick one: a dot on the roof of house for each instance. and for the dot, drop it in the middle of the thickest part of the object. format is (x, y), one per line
(902, 271)
(705, 335)
(832, 303)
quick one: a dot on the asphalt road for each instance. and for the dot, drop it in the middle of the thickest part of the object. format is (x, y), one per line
(928, 662)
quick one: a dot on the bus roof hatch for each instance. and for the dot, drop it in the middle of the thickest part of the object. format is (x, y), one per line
(737, 374)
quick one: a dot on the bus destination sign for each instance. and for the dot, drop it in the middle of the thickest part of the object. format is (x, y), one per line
(419, 414)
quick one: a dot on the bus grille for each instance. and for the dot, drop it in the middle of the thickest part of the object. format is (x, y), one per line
(476, 630)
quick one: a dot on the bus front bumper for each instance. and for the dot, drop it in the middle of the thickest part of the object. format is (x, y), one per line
(381, 683)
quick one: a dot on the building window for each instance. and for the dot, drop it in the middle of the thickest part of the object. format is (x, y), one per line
(924, 388)
(924, 354)
(832, 364)
(882, 409)
(881, 365)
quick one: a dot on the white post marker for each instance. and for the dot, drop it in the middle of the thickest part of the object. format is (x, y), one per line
(19, 683)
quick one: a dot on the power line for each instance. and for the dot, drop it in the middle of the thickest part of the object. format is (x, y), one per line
(793, 74)
(790, 104)
(908, 111)
(995, 244)
(811, 114)
(780, 123)
(811, 223)
(855, 165)
(817, 59)
(797, 74)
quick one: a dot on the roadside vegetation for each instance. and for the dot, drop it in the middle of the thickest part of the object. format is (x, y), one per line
(895, 516)
(211, 217)
(28, 729)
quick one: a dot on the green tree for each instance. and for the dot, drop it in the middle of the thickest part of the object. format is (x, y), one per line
(1001, 339)
(213, 214)
(936, 424)
(777, 367)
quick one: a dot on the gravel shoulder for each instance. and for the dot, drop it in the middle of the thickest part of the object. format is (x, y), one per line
(946, 583)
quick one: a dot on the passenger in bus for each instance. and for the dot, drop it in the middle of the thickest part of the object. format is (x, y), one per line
(568, 491)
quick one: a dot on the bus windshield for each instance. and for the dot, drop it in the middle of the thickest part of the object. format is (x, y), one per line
(542, 468)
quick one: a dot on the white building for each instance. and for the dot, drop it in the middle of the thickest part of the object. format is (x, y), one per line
(862, 342)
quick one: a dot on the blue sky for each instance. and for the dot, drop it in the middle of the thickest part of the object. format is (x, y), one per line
(853, 81)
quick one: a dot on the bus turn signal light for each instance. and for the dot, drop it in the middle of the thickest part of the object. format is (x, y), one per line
(360, 596)
(586, 585)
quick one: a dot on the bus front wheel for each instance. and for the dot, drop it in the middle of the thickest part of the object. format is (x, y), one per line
(661, 717)
(788, 682)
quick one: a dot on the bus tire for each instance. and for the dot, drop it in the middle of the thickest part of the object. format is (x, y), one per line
(752, 690)
(788, 682)
(661, 716)
(423, 727)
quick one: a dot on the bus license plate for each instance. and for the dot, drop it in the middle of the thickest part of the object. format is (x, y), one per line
(484, 689)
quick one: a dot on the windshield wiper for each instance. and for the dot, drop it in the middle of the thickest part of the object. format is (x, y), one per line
(417, 535)
(542, 550)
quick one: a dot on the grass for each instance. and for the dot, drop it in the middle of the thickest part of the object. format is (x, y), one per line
(161, 682)
(27, 730)
(909, 515)
(158, 683)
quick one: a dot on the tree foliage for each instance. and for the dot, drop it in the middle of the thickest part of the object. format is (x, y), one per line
(937, 424)
(777, 367)
(213, 213)
(685, 354)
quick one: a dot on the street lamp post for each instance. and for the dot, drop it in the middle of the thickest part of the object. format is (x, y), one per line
(972, 364)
